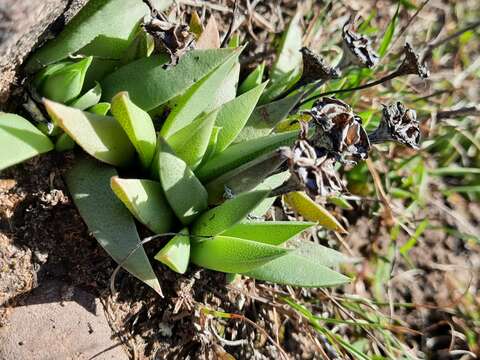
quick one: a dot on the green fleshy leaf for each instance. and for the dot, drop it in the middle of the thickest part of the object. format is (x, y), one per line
(66, 83)
(220, 218)
(212, 143)
(268, 232)
(42, 75)
(184, 192)
(98, 70)
(138, 126)
(146, 201)
(64, 143)
(201, 97)
(108, 219)
(320, 254)
(271, 183)
(253, 79)
(241, 153)
(228, 90)
(150, 85)
(141, 46)
(265, 117)
(245, 177)
(191, 142)
(100, 136)
(234, 115)
(101, 108)
(103, 25)
(297, 270)
(176, 253)
(233, 255)
(20, 140)
(89, 99)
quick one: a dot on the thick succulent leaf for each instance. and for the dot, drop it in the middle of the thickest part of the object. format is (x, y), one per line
(253, 79)
(191, 142)
(234, 115)
(176, 253)
(210, 37)
(245, 177)
(150, 85)
(142, 46)
(287, 68)
(89, 99)
(64, 143)
(268, 232)
(212, 143)
(101, 108)
(146, 201)
(297, 270)
(107, 218)
(66, 83)
(311, 211)
(320, 254)
(184, 192)
(222, 217)
(138, 126)
(270, 183)
(98, 70)
(228, 90)
(109, 22)
(233, 255)
(100, 136)
(265, 117)
(43, 74)
(241, 153)
(20, 140)
(199, 98)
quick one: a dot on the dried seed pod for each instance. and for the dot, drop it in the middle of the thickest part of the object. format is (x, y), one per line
(357, 47)
(314, 170)
(315, 68)
(175, 39)
(398, 124)
(339, 130)
(411, 64)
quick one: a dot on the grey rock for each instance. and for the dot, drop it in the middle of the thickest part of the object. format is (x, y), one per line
(58, 322)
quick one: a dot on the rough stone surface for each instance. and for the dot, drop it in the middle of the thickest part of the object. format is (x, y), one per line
(58, 322)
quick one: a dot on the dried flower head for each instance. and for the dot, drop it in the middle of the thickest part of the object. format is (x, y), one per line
(398, 124)
(411, 64)
(315, 68)
(339, 130)
(175, 39)
(358, 47)
(313, 168)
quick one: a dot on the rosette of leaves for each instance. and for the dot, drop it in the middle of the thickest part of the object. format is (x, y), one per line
(173, 147)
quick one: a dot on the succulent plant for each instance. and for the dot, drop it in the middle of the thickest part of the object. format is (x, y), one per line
(165, 136)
